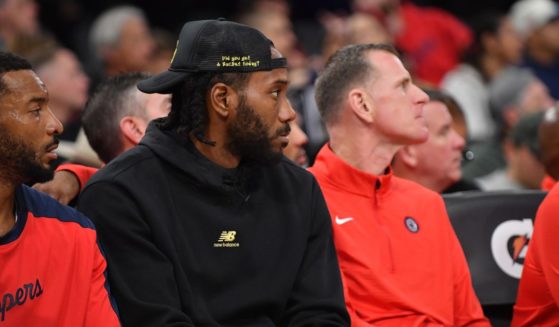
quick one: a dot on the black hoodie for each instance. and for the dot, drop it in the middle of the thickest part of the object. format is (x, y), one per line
(190, 243)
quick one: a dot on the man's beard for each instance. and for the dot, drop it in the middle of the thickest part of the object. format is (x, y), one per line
(19, 163)
(249, 140)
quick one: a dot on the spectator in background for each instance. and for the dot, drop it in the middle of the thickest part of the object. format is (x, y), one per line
(401, 262)
(53, 271)
(17, 18)
(537, 21)
(295, 149)
(67, 83)
(118, 113)
(524, 169)
(495, 47)
(431, 39)
(121, 41)
(357, 28)
(549, 146)
(165, 44)
(363, 29)
(513, 93)
(435, 163)
(276, 25)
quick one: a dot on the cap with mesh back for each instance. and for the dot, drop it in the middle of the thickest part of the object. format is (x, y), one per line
(214, 46)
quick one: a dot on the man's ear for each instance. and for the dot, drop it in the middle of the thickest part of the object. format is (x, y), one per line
(133, 129)
(408, 156)
(361, 105)
(222, 99)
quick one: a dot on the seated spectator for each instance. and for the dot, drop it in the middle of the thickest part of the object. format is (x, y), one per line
(117, 115)
(524, 169)
(17, 18)
(214, 225)
(163, 51)
(363, 28)
(436, 163)
(537, 21)
(295, 149)
(496, 46)
(432, 39)
(515, 92)
(53, 272)
(121, 42)
(400, 260)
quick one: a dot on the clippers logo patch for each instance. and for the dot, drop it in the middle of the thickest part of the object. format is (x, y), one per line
(411, 224)
(227, 240)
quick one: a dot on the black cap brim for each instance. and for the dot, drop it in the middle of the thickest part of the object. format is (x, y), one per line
(162, 83)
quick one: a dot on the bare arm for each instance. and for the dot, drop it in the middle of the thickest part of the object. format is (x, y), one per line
(64, 187)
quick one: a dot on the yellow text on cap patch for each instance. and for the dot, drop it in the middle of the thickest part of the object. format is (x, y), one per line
(237, 61)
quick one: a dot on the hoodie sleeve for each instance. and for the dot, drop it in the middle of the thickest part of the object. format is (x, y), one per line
(317, 297)
(141, 276)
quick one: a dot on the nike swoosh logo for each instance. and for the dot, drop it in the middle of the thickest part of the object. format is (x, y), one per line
(341, 221)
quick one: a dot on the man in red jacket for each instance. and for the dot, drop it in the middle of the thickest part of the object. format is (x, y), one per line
(401, 262)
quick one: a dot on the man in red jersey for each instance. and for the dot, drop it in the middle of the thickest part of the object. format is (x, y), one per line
(537, 302)
(52, 272)
(401, 262)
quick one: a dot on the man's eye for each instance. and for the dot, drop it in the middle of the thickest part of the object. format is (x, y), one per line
(36, 112)
(275, 93)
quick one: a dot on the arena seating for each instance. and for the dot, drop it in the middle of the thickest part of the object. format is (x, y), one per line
(494, 229)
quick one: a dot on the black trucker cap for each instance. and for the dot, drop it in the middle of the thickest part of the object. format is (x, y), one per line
(214, 46)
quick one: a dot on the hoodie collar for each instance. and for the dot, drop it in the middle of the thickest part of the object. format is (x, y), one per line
(181, 153)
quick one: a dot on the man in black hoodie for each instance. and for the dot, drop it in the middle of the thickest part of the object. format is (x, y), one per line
(205, 223)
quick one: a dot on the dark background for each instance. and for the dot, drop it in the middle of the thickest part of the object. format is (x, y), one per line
(69, 20)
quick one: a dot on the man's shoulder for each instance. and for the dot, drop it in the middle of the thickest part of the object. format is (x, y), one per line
(133, 162)
(298, 172)
(42, 206)
(286, 175)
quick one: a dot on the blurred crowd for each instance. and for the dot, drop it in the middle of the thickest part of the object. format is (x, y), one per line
(494, 74)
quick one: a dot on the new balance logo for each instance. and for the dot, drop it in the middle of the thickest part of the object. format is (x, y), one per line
(19, 297)
(227, 240)
(227, 236)
(341, 221)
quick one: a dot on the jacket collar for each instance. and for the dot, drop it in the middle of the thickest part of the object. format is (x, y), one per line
(334, 170)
